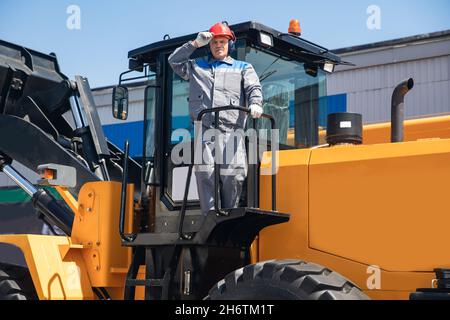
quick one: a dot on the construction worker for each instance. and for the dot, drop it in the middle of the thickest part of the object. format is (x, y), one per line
(219, 81)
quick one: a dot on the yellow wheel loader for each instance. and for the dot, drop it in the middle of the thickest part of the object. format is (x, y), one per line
(331, 210)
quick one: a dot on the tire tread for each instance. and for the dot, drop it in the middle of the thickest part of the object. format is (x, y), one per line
(297, 278)
(16, 283)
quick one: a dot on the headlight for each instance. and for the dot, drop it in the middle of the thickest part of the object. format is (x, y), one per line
(265, 39)
(328, 67)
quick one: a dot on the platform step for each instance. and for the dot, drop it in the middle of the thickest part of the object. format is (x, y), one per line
(236, 229)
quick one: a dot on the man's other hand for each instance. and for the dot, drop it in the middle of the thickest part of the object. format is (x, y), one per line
(256, 111)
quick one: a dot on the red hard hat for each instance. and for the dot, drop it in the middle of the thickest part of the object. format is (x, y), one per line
(220, 29)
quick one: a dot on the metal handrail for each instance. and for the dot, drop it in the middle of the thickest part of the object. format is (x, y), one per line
(123, 197)
(218, 210)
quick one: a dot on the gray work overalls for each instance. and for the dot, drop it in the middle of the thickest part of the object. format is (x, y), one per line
(216, 83)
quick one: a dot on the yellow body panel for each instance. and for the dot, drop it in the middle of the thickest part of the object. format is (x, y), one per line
(56, 266)
(344, 214)
(96, 226)
(424, 128)
(383, 204)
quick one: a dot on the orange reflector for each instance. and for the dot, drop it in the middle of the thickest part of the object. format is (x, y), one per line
(48, 174)
(294, 27)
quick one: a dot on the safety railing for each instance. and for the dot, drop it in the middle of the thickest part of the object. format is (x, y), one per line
(217, 208)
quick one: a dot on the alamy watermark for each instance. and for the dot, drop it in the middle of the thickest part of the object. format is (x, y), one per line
(73, 21)
(374, 279)
(226, 148)
(73, 280)
(374, 19)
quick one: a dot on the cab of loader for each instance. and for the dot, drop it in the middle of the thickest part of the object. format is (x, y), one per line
(292, 72)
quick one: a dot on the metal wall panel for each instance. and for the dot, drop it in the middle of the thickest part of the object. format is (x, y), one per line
(369, 89)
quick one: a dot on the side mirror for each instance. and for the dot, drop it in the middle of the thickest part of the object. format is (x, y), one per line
(120, 103)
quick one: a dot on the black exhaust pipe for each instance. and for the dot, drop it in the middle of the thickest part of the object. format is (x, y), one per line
(398, 109)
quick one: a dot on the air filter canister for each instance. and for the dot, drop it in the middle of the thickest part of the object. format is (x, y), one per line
(344, 128)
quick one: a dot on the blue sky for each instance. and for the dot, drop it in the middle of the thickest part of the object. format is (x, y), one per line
(109, 29)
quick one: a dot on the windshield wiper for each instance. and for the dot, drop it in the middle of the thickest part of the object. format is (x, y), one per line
(266, 75)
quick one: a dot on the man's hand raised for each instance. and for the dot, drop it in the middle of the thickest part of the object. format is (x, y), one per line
(203, 38)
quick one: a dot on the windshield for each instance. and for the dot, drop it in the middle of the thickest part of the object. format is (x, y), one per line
(294, 94)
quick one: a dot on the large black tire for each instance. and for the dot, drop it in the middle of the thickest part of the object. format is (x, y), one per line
(16, 283)
(285, 280)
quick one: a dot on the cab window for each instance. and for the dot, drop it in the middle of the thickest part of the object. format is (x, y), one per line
(294, 94)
